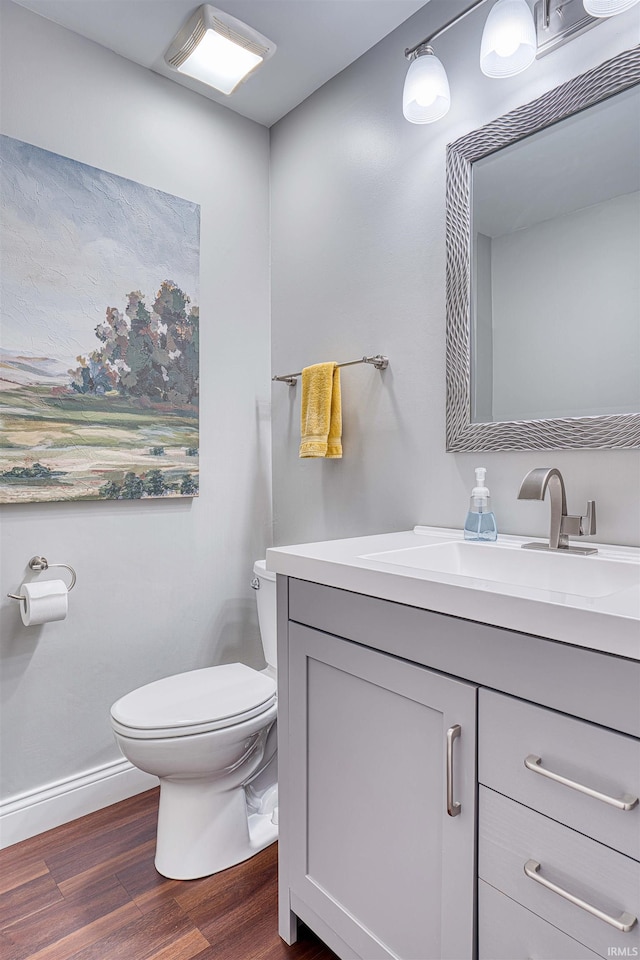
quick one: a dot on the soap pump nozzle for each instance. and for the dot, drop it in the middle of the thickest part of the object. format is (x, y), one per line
(480, 493)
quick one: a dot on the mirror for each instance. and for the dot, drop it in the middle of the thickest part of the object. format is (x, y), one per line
(543, 289)
(555, 270)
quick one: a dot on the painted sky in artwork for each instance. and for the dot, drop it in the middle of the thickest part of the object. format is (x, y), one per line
(76, 240)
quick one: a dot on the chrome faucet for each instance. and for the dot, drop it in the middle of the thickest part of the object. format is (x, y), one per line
(533, 487)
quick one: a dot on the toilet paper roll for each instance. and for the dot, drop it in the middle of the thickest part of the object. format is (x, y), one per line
(44, 601)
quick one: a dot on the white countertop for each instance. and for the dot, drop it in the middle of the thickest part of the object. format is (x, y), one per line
(609, 624)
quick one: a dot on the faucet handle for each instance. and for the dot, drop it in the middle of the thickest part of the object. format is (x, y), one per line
(588, 522)
(580, 526)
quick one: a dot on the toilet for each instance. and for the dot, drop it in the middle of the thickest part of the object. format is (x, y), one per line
(210, 737)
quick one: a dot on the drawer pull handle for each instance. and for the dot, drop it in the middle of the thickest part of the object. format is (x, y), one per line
(627, 802)
(453, 806)
(623, 923)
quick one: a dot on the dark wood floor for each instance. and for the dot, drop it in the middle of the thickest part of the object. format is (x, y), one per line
(88, 890)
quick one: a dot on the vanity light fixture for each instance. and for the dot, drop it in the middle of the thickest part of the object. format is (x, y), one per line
(559, 21)
(218, 49)
(426, 95)
(607, 8)
(508, 39)
(508, 46)
(511, 41)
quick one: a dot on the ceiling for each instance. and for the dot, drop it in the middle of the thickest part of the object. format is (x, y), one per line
(316, 39)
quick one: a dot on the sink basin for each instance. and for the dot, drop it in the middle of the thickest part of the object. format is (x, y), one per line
(583, 576)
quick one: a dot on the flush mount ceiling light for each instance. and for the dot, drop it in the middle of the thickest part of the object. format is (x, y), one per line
(218, 49)
(511, 41)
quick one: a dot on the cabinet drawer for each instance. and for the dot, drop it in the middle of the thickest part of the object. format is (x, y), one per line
(507, 931)
(511, 835)
(510, 731)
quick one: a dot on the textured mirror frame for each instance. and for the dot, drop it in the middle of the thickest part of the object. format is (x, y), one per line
(620, 431)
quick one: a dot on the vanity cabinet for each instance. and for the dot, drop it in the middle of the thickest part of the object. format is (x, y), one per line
(382, 798)
(370, 858)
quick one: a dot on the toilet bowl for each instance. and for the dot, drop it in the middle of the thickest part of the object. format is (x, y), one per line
(209, 735)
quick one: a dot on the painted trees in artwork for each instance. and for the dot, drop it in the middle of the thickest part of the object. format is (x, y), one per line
(152, 484)
(150, 354)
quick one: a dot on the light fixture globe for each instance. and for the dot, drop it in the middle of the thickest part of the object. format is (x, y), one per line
(607, 8)
(509, 39)
(426, 95)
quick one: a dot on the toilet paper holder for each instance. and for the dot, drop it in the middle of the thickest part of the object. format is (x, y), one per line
(41, 563)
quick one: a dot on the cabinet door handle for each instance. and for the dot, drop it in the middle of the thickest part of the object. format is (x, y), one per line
(453, 806)
(623, 923)
(626, 802)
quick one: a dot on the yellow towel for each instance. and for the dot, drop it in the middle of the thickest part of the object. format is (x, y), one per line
(321, 412)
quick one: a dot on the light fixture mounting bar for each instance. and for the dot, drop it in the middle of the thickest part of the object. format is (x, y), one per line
(411, 51)
(558, 22)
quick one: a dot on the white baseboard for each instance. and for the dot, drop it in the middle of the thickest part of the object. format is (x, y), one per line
(42, 809)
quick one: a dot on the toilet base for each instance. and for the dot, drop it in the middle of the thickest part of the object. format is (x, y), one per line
(262, 832)
(202, 831)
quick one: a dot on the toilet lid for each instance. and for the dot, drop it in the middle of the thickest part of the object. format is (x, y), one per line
(194, 702)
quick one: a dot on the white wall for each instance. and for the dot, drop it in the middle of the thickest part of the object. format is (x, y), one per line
(162, 586)
(358, 266)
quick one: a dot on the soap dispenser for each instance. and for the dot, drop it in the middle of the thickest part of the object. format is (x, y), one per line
(481, 522)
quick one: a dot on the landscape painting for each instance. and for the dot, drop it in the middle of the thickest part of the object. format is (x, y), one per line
(99, 345)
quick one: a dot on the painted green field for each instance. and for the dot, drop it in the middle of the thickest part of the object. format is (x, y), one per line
(82, 447)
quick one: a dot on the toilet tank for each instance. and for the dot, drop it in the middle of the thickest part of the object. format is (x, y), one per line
(266, 600)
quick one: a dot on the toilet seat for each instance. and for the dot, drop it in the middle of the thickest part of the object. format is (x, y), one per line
(199, 701)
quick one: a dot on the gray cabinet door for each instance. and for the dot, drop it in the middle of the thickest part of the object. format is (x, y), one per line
(373, 850)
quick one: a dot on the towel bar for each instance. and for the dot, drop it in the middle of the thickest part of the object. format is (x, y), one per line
(379, 362)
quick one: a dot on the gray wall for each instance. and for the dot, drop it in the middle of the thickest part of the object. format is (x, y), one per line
(571, 346)
(162, 586)
(358, 266)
